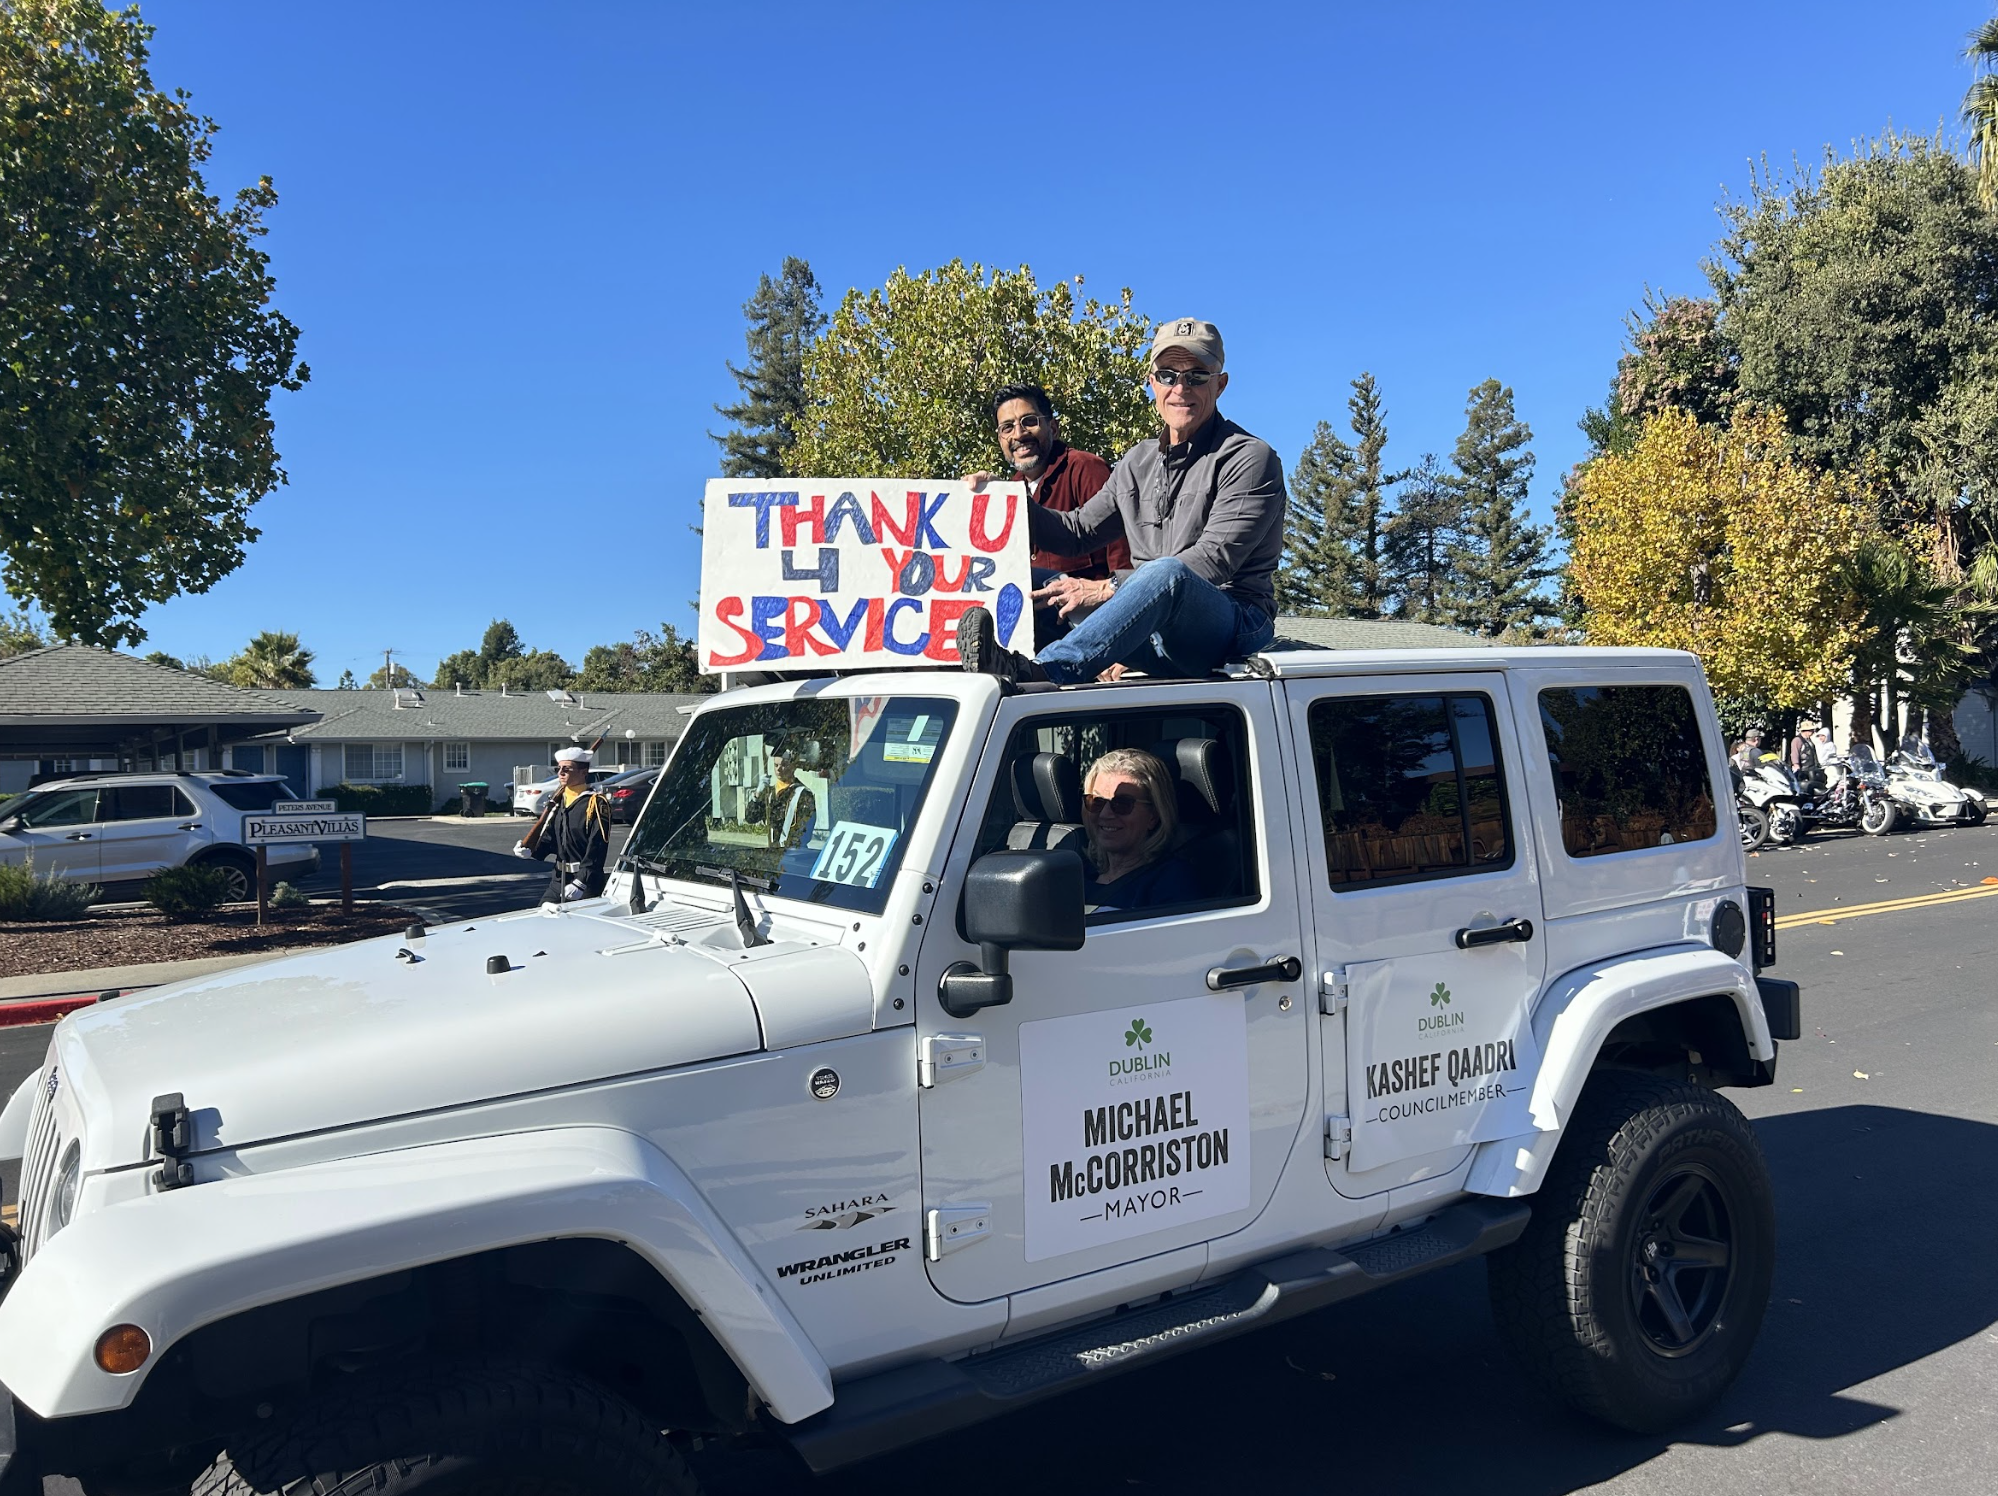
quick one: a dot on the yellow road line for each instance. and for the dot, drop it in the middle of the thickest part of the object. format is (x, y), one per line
(1887, 906)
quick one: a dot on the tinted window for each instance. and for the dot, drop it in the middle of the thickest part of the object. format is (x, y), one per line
(1408, 787)
(62, 808)
(145, 802)
(1630, 770)
(259, 794)
(1208, 858)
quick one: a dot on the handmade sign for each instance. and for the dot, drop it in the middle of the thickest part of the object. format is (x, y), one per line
(858, 573)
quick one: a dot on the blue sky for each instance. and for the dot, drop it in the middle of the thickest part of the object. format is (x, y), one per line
(517, 237)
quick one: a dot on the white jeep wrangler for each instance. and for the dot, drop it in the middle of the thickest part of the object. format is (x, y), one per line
(851, 1124)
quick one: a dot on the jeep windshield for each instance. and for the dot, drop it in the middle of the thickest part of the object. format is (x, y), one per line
(806, 799)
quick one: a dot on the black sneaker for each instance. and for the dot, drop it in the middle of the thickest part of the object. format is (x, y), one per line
(980, 653)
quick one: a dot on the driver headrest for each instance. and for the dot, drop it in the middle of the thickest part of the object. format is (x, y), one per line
(1206, 777)
(1047, 788)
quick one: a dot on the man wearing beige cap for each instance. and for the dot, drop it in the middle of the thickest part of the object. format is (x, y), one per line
(1201, 507)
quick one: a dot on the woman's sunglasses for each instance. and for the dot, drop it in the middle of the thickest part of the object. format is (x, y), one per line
(1123, 802)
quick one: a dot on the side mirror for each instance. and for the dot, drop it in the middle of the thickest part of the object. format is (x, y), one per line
(10, 824)
(1013, 901)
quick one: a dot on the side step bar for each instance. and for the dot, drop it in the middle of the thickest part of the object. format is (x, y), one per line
(896, 1408)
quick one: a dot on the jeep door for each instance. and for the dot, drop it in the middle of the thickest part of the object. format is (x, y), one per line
(1426, 918)
(143, 828)
(1119, 1107)
(56, 833)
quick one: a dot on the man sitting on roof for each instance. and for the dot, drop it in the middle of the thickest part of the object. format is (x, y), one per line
(1202, 509)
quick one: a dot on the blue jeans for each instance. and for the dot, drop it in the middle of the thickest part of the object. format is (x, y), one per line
(1163, 621)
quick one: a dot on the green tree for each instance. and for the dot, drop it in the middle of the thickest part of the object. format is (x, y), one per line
(1334, 530)
(1419, 535)
(648, 662)
(784, 319)
(536, 670)
(347, 682)
(901, 382)
(138, 347)
(273, 662)
(393, 678)
(1498, 560)
(20, 633)
(161, 657)
(1980, 109)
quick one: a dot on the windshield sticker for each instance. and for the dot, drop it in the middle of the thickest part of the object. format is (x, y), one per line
(1135, 1120)
(1433, 1065)
(905, 741)
(854, 854)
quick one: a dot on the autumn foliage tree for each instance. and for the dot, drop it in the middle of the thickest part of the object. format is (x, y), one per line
(1716, 540)
(900, 383)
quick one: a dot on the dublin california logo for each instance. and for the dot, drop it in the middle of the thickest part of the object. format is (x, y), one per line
(1146, 1062)
(1438, 1017)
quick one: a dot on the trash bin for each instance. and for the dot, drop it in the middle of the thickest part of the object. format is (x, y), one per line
(472, 798)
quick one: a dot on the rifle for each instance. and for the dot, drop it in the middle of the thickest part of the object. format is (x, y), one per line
(532, 841)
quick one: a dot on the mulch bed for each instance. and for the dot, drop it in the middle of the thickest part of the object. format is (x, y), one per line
(126, 937)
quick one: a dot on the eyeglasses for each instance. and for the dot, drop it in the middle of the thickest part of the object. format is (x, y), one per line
(1123, 802)
(1193, 379)
(1025, 423)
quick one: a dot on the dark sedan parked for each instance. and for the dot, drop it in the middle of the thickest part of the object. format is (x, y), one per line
(626, 793)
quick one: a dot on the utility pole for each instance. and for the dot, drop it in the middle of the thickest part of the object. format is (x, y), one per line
(388, 673)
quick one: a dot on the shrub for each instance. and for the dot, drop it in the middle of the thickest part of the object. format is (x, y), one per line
(285, 896)
(1973, 771)
(379, 799)
(25, 896)
(188, 892)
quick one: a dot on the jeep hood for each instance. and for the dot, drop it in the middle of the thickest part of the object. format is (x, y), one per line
(356, 1033)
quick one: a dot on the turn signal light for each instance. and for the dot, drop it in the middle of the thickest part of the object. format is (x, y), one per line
(123, 1348)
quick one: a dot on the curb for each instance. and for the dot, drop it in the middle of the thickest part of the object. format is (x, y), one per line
(43, 1010)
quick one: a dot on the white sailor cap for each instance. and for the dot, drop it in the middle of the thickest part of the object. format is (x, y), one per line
(574, 756)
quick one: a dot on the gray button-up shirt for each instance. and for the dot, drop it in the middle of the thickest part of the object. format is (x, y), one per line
(1216, 501)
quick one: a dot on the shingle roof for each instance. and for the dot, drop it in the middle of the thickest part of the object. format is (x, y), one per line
(1370, 633)
(70, 684)
(487, 716)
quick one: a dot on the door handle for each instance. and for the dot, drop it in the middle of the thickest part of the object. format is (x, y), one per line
(1282, 969)
(77, 836)
(1512, 929)
(189, 826)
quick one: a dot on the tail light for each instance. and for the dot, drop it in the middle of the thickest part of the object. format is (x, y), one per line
(1762, 926)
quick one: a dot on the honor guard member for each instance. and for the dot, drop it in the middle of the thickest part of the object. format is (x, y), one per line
(574, 828)
(784, 807)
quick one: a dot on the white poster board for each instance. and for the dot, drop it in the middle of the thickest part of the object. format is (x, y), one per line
(858, 573)
(1134, 1120)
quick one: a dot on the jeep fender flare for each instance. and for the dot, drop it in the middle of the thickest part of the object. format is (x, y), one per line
(1573, 1018)
(172, 1262)
(14, 1118)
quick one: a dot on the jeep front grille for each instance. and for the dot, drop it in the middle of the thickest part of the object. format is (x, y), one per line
(38, 1165)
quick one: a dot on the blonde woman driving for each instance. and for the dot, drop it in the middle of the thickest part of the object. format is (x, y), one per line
(1130, 813)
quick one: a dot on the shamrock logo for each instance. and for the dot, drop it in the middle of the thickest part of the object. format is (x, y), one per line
(1139, 1034)
(1440, 998)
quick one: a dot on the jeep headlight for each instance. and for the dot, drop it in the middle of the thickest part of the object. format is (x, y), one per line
(69, 1178)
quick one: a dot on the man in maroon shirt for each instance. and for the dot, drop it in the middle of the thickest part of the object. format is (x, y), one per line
(1058, 476)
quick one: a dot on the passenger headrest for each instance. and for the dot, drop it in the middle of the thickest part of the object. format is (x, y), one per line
(1047, 788)
(1204, 775)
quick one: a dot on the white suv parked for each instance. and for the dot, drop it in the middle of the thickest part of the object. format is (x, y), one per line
(114, 828)
(856, 1112)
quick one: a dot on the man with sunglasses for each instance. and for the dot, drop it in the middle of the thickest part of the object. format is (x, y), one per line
(1201, 508)
(1058, 476)
(574, 828)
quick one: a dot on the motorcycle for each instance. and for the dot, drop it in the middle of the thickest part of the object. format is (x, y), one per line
(1916, 782)
(1754, 822)
(1856, 793)
(1772, 789)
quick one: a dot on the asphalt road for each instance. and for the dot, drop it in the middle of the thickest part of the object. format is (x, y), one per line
(1877, 1366)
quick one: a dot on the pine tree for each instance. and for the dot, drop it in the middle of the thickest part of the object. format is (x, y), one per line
(1334, 531)
(1428, 514)
(1498, 560)
(784, 319)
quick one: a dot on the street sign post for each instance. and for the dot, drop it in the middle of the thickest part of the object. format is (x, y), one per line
(305, 821)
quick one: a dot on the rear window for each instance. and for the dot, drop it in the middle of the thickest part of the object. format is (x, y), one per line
(1409, 787)
(252, 794)
(1630, 770)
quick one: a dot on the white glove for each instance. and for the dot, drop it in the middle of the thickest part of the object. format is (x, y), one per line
(575, 891)
(520, 850)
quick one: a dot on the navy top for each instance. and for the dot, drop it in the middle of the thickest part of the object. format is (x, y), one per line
(1167, 881)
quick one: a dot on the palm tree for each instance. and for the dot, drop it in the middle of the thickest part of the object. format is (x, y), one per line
(273, 662)
(1980, 109)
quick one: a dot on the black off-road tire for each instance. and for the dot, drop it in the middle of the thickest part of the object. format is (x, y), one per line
(488, 1428)
(1572, 1297)
(242, 870)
